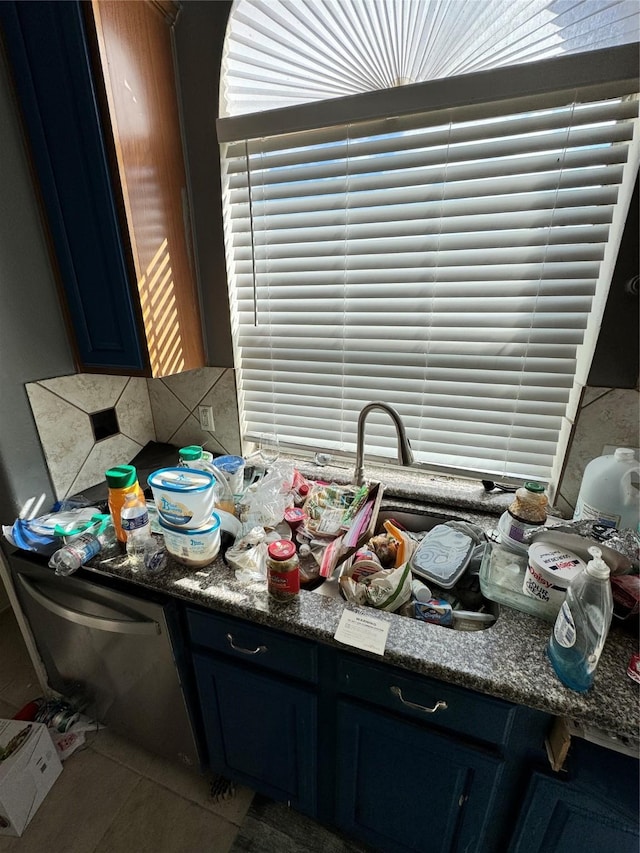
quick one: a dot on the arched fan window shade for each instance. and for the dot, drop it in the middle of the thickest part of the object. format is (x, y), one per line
(439, 246)
(280, 53)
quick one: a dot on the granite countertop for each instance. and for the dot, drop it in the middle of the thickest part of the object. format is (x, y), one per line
(506, 660)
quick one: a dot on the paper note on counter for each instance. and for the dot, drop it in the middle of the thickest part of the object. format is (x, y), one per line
(362, 631)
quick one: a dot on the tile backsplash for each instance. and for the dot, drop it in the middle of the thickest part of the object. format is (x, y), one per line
(175, 400)
(166, 410)
(68, 409)
(62, 409)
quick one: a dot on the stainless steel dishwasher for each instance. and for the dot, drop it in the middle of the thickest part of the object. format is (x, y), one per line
(111, 651)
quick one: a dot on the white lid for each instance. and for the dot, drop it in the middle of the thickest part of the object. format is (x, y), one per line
(596, 566)
(556, 565)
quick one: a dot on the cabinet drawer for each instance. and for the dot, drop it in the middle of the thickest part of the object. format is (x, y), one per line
(260, 646)
(435, 702)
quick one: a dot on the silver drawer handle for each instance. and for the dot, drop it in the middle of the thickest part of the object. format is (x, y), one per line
(439, 706)
(235, 648)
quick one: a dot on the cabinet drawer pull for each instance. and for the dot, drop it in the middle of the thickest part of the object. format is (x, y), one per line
(235, 648)
(439, 706)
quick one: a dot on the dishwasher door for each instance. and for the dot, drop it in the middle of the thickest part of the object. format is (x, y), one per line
(113, 652)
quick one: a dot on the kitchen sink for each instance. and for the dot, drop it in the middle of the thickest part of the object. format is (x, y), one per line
(417, 520)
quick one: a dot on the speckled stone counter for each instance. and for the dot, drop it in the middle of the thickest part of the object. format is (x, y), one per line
(506, 660)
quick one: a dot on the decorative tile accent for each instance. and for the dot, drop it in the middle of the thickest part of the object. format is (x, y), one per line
(89, 392)
(65, 434)
(168, 412)
(177, 421)
(134, 412)
(190, 387)
(61, 408)
(117, 450)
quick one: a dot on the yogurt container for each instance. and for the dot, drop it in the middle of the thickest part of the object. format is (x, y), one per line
(550, 570)
(184, 497)
(194, 548)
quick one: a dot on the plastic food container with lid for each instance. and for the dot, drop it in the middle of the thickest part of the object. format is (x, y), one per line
(184, 497)
(194, 548)
(550, 570)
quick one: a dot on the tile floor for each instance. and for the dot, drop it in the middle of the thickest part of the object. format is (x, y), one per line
(113, 797)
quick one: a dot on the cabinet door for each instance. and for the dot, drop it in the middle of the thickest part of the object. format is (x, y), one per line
(47, 50)
(401, 787)
(260, 730)
(558, 817)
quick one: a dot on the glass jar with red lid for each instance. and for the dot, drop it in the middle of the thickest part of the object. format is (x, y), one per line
(283, 570)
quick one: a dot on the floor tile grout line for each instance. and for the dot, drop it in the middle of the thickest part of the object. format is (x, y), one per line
(145, 775)
(115, 817)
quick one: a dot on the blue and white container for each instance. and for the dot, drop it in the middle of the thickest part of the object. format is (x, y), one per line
(184, 497)
(193, 548)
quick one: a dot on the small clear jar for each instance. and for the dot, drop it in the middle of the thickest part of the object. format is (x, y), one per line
(283, 570)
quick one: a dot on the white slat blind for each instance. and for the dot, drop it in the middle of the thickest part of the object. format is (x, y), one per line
(445, 263)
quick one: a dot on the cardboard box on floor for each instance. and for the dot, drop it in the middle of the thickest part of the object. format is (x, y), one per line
(29, 765)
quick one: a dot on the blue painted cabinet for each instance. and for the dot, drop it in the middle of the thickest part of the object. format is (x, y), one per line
(592, 805)
(403, 787)
(112, 187)
(403, 762)
(47, 50)
(260, 730)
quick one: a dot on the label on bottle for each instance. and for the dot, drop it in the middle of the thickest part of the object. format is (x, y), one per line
(586, 511)
(564, 630)
(84, 547)
(136, 522)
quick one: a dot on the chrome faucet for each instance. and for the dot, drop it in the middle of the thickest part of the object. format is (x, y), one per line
(405, 454)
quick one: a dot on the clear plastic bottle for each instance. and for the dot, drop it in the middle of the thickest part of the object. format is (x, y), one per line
(582, 625)
(81, 549)
(137, 528)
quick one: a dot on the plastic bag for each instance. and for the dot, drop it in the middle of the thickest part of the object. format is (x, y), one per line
(46, 534)
(264, 503)
(385, 590)
(248, 556)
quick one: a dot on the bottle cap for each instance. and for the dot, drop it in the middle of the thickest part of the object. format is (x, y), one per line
(596, 566)
(534, 487)
(190, 453)
(624, 454)
(303, 490)
(282, 549)
(121, 477)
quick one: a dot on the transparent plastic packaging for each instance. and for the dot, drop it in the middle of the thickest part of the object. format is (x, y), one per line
(142, 549)
(582, 625)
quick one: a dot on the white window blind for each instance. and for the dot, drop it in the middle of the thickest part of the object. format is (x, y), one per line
(444, 262)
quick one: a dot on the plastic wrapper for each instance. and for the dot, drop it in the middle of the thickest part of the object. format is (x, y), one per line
(330, 509)
(264, 502)
(248, 556)
(47, 533)
(388, 589)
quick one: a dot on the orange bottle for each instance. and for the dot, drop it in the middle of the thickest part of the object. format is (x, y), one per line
(122, 480)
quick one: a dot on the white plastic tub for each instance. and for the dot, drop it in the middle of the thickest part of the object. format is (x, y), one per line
(184, 497)
(193, 548)
(550, 570)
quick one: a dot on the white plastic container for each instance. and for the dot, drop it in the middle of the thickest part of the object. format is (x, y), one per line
(609, 491)
(184, 497)
(193, 548)
(549, 572)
